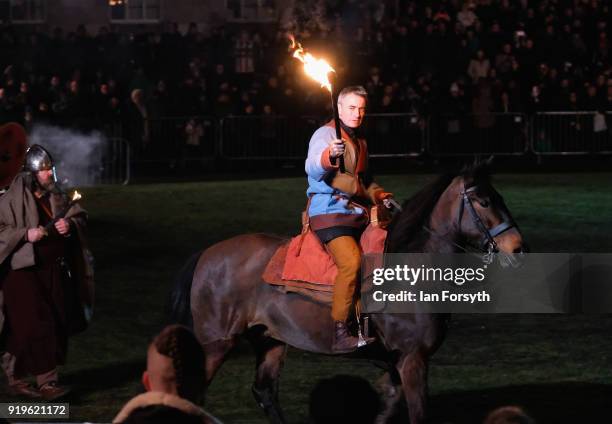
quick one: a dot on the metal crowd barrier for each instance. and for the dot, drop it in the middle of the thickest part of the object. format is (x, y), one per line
(571, 133)
(395, 134)
(173, 140)
(502, 134)
(282, 137)
(89, 153)
(115, 162)
(266, 137)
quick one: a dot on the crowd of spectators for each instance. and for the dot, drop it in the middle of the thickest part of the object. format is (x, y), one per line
(442, 57)
(480, 55)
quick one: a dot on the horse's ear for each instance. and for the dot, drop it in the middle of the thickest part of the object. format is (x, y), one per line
(478, 169)
(481, 169)
(486, 167)
(467, 166)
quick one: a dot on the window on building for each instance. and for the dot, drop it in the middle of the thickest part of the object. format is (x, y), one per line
(135, 10)
(252, 10)
(23, 11)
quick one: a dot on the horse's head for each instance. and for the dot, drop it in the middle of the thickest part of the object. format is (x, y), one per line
(455, 212)
(477, 216)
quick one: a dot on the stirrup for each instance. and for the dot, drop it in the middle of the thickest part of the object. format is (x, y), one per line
(363, 340)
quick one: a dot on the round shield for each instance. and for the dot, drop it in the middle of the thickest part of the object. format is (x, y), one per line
(13, 148)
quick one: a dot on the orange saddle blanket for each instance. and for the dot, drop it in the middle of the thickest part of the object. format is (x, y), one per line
(304, 263)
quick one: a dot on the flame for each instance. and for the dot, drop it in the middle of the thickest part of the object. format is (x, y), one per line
(76, 196)
(317, 69)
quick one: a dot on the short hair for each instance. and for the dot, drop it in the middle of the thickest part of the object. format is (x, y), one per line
(180, 345)
(357, 90)
(509, 415)
(160, 414)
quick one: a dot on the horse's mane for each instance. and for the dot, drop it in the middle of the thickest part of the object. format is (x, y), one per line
(406, 232)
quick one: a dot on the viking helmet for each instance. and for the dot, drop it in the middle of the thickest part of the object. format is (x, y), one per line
(39, 159)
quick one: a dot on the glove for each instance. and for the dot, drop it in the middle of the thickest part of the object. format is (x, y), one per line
(382, 195)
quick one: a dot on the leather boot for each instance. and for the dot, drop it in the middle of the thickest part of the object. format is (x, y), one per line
(343, 341)
(52, 390)
(23, 388)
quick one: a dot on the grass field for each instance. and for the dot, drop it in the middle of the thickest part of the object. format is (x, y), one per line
(559, 367)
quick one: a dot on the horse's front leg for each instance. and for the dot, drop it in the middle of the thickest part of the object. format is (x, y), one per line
(413, 368)
(390, 388)
(270, 357)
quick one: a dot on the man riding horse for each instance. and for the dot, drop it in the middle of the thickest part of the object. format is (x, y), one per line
(339, 200)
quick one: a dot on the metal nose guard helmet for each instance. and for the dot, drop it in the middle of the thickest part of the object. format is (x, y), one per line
(39, 159)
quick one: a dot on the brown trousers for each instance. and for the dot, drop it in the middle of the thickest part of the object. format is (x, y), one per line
(347, 257)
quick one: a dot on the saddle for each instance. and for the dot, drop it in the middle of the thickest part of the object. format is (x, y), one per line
(304, 265)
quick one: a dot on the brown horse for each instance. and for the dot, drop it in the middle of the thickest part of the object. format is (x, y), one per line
(221, 293)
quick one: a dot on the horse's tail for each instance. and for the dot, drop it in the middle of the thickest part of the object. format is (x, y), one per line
(179, 305)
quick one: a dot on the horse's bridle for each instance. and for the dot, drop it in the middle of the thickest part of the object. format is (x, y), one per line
(488, 243)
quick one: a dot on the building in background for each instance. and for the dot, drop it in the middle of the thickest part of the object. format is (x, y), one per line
(137, 14)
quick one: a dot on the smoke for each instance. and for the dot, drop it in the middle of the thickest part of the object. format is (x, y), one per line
(77, 156)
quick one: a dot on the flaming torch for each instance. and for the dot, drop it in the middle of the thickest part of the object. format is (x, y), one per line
(76, 196)
(320, 71)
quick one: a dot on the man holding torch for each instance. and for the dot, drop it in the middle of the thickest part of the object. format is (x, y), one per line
(47, 281)
(339, 200)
